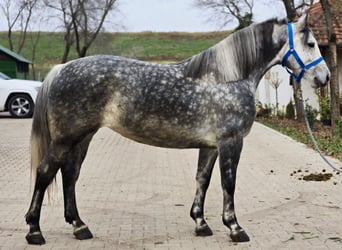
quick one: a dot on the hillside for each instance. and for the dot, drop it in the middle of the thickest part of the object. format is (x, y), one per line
(148, 46)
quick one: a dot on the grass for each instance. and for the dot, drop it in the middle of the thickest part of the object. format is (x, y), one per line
(148, 46)
(161, 46)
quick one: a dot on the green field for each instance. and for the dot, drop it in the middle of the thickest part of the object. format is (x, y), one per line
(148, 46)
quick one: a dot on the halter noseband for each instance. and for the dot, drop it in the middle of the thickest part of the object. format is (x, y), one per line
(293, 52)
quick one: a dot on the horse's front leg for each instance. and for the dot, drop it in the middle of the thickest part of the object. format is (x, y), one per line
(206, 161)
(229, 154)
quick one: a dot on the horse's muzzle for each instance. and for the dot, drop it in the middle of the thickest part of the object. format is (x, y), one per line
(322, 80)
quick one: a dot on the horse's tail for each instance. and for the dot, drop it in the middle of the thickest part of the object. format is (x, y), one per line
(40, 133)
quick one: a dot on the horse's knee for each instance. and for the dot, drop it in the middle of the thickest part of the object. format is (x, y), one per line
(45, 172)
(44, 178)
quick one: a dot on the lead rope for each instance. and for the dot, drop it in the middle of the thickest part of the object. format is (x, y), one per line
(312, 136)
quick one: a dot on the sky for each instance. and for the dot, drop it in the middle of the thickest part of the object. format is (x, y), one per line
(171, 15)
(181, 15)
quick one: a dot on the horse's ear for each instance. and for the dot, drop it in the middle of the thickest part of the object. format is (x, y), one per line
(307, 17)
(303, 21)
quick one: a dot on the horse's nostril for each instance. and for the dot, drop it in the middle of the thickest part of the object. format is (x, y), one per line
(328, 78)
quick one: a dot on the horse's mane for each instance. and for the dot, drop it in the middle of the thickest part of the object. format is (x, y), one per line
(233, 58)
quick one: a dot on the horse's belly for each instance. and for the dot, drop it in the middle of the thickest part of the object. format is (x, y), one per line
(175, 128)
(174, 142)
(166, 137)
(153, 130)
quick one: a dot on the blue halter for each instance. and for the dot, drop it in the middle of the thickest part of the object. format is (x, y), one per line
(293, 52)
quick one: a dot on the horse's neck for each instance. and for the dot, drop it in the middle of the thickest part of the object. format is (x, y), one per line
(250, 52)
(246, 54)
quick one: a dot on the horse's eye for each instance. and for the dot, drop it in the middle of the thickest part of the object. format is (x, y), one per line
(311, 44)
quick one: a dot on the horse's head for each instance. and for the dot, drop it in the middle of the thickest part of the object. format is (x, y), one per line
(301, 55)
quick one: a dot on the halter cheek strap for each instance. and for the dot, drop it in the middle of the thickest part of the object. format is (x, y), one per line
(294, 53)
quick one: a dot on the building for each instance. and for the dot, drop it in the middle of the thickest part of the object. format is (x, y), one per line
(319, 28)
(13, 65)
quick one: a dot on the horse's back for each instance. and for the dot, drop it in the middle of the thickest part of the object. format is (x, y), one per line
(111, 91)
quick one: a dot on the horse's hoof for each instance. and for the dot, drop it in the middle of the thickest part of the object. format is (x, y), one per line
(203, 231)
(239, 236)
(35, 238)
(83, 233)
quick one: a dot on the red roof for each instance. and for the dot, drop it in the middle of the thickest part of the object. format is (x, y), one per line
(319, 26)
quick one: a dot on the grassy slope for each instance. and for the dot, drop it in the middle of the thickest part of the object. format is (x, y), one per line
(149, 46)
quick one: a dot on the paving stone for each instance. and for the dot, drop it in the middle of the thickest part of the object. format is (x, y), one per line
(134, 196)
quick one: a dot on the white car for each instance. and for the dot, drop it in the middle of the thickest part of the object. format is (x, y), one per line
(18, 96)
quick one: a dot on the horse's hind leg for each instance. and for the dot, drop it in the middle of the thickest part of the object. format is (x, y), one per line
(70, 173)
(206, 161)
(46, 171)
(229, 154)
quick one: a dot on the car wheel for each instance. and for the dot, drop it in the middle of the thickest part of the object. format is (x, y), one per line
(21, 106)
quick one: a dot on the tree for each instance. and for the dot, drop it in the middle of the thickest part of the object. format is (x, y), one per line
(82, 21)
(22, 16)
(293, 10)
(18, 15)
(330, 17)
(62, 11)
(274, 80)
(229, 10)
(34, 37)
(88, 21)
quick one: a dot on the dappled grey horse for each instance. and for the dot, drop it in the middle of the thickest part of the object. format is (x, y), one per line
(205, 102)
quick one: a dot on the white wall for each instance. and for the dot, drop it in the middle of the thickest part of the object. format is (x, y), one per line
(266, 93)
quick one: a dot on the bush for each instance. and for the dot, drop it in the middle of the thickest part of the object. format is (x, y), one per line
(339, 127)
(281, 114)
(264, 110)
(290, 111)
(311, 113)
(324, 104)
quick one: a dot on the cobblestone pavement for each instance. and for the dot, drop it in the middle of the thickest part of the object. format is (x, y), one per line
(134, 196)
